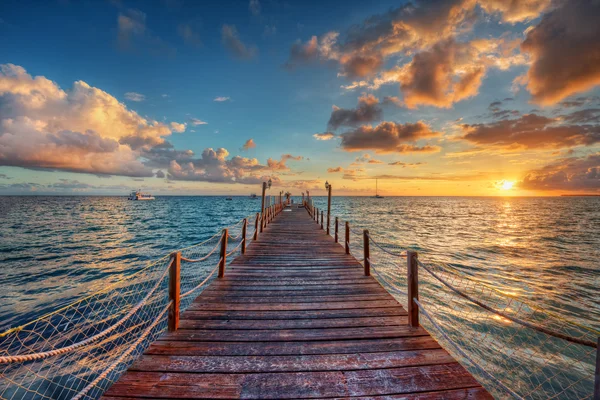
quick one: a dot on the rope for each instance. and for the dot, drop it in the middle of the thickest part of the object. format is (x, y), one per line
(205, 257)
(200, 284)
(538, 328)
(385, 250)
(91, 339)
(462, 353)
(235, 249)
(125, 354)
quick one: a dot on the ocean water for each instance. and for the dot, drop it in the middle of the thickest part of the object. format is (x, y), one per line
(54, 250)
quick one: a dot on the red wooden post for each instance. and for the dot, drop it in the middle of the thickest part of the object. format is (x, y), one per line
(597, 374)
(244, 236)
(256, 227)
(328, 207)
(335, 235)
(413, 287)
(366, 253)
(262, 206)
(174, 291)
(347, 243)
(223, 253)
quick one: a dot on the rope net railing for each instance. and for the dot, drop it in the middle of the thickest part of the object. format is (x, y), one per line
(78, 351)
(514, 347)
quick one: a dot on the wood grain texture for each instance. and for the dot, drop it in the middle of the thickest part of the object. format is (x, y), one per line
(295, 317)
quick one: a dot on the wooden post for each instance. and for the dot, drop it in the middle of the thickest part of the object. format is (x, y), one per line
(244, 227)
(347, 242)
(336, 230)
(223, 253)
(256, 227)
(174, 291)
(413, 288)
(321, 219)
(597, 374)
(328, 208)
(262, 206)
(366, 252)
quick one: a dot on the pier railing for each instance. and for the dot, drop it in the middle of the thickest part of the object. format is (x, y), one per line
(516, 348)
(78, 351)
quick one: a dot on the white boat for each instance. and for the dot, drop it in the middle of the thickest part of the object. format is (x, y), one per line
(138, 195)
(377, 196)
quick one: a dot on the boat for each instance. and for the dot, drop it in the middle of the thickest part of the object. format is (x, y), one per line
(138, 195)
(228, 198)
(253, 196)
(377, 196)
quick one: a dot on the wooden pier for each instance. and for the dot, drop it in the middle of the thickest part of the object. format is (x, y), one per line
(296, 317)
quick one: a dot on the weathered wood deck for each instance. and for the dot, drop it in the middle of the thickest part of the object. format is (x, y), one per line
(295, 317)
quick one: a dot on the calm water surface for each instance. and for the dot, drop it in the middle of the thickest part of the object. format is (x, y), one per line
(56, 249)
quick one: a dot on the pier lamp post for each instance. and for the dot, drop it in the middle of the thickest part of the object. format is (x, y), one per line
(328, 187)
(262, 206)
(281, 197)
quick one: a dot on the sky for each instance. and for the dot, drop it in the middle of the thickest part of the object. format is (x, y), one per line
(179, 97)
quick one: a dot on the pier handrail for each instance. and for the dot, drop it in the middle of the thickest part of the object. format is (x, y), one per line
(97, 336)
(574, 342)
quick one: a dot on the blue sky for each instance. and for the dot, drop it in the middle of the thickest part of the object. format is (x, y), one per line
(168, 61)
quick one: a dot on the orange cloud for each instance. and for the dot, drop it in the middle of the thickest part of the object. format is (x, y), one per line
(368, 110)
(564, 52)
(249, 145)
(568, 174)
(532, 131)
(334, 170)
(389, 137)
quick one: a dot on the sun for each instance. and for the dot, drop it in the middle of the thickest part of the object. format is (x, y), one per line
(507, 185)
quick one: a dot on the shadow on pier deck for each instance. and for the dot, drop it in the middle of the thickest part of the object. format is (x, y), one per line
(295, 317)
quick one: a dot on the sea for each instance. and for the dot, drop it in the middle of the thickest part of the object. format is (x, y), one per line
(544, 250)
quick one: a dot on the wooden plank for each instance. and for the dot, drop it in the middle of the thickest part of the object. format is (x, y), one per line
(290, 348)
(278, 324)
(299, 363)
(294, 385)
(293, 334)
(315, 314)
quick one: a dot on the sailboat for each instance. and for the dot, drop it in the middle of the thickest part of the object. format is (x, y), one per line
(377, 196)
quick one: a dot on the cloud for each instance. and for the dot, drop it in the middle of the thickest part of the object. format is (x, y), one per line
(531, 131)
(177, 127)
(324, 136)
(405, 165)
(249, 145)
(133, 34)
(196, 122)
(213, 166)
(567, 174)
(335, 170)
(232, 42)
(314, 49)
(83, 129)
(515, 11)
(254, 7)
(133, 96)
(441, 76)
(564, 51)
(393, 100)
(221, 99)
(281, 165)
(389, 137)
(366, 158)
(362, 65)
(368, 110)
(189, 36)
